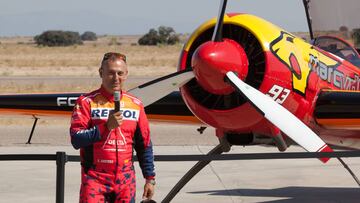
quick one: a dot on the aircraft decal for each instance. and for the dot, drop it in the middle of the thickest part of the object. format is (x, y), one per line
(286, 49)
(278, 93)
(326, 69)
(66, 101)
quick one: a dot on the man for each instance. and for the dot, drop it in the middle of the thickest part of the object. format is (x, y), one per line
(106, 138)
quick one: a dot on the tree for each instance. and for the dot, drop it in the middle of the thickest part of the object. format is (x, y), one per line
(151, 38)
(164, 35)
(88, 36)
(58, 38)
(356, 37)
(343, 28)
(344, 31)
(168, 35)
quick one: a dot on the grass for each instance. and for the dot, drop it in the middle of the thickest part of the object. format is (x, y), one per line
(22, 57)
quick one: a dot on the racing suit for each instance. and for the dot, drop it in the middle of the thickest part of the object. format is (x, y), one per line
(107, 155)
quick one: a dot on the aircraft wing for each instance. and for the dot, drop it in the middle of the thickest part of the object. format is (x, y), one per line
(171, 108)
(338, 109)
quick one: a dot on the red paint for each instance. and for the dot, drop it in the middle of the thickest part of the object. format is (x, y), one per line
(241, 118)
(183, 58)
(295, 65)
(212, 60)
(325, 149)
(233, 14)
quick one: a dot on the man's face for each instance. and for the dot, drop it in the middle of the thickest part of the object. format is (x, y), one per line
(113, 75)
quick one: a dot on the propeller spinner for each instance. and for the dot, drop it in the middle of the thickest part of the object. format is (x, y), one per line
(212, 60)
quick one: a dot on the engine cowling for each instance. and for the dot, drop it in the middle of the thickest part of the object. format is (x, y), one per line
(210, 98)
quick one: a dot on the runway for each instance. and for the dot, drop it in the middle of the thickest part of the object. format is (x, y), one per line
(301, 180)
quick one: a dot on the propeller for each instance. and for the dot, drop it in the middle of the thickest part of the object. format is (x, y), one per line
(156, 89)
(280, 117)
(217, 35)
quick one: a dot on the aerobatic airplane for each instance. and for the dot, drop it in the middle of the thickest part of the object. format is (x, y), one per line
(253, 82)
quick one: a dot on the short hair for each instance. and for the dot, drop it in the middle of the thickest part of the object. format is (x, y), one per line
(112, 56)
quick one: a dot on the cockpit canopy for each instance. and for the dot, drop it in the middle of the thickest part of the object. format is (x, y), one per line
(338, 47)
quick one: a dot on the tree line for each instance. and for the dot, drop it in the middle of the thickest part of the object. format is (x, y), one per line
(163, 35)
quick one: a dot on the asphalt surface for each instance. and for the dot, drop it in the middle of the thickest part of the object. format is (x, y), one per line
(301, 180)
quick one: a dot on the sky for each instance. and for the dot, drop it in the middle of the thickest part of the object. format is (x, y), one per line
(134, 17)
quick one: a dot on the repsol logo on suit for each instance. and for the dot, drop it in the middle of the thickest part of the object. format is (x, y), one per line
(103, 113)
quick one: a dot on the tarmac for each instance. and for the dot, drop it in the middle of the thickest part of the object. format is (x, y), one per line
(245, 181)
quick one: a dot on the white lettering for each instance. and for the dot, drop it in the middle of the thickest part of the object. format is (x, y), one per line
(105, 161)
(103, 113)
(278, 94)
(61, 101)
(66, 101)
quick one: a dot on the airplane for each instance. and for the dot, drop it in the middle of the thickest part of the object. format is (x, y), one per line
(254, 82)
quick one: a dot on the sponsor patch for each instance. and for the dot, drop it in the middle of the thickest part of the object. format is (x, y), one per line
(103, 113)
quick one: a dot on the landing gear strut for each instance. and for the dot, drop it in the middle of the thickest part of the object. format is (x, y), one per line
(190, 174)
(349, 170)
(32, 130)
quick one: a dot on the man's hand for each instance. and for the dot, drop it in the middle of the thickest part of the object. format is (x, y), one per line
(148, 191)
(115, 120)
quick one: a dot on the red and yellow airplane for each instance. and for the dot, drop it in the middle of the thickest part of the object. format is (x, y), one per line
(251, 80)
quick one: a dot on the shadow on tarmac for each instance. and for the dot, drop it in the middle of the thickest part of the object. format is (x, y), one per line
(295, 194)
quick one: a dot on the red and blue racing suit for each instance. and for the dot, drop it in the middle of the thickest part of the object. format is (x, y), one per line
(107, 155)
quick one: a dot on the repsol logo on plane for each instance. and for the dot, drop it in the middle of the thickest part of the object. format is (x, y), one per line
(103, 113)
(333, 76)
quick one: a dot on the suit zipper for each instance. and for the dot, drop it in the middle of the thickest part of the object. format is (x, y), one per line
(116, 151)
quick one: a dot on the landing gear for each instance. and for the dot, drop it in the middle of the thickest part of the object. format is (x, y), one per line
(280, 142)
(32, 130)
(225, 144)
(349, 170)
(190, 174)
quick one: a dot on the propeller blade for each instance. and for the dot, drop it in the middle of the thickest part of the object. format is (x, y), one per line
(156, 89)
(217, 35)
(280, 117)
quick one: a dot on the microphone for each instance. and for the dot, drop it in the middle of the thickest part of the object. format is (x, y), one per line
(117, 101)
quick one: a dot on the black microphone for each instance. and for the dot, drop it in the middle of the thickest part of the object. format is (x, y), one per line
(117, 100)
